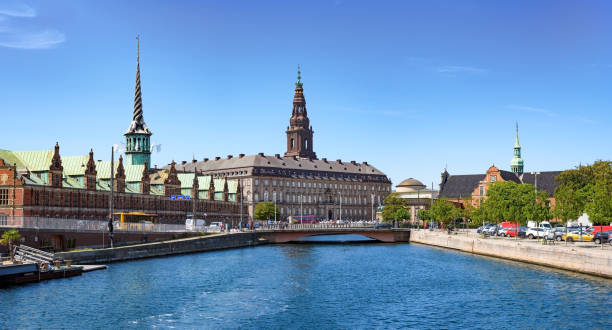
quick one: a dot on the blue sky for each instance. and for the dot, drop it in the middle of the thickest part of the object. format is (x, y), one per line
(408, 86)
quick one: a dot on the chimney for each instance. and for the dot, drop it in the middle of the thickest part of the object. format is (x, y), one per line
(365, 163)
(184, 162)
(353, 162)
(155, 166)
(261, 154)
(217, 158)
(324, 160)
(205, 160)
(194, 161)
(241, 156)
(230, 156)
(277, 156)
(339, 161)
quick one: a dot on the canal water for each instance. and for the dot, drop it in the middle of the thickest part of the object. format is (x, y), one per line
(313, 286)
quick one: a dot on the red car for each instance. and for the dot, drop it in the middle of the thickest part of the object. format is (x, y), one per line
(512, 232)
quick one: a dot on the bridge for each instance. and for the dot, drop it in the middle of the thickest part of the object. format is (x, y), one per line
(278, 235)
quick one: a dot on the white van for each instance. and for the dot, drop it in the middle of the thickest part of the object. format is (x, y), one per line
(194, 224)
(543, 224)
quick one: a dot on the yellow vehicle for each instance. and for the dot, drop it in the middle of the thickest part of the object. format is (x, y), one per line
(134, 220)
(575, 236)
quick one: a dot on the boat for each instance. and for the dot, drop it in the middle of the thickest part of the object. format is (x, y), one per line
(31, 272)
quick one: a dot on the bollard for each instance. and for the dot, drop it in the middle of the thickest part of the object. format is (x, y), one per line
(56, 264)
(68, 262)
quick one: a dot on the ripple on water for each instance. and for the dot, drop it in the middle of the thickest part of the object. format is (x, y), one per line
(313, 286)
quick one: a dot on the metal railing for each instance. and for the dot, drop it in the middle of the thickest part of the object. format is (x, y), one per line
(89, 225)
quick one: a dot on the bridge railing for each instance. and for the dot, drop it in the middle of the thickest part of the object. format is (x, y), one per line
(87, 225)
(304, 226)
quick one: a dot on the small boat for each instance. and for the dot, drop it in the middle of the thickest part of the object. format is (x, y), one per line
(32, 272)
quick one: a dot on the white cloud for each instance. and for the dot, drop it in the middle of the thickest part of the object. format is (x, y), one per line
(17, 10)
(32, 40)
(532, 109)
(459, 69)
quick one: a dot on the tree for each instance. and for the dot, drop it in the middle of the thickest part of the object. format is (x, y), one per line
(392, 204)
(444, 211)
(9, 238)
(585, 189)
(266, 210)
(510, 201)
(402, 214)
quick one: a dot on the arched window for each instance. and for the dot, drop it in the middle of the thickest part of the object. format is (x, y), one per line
(292, 144)
(256, 197)
(265, 196)
(306, 144)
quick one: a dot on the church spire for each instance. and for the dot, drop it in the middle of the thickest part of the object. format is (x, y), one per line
(517, 164)
(299, 133)
(138, 125)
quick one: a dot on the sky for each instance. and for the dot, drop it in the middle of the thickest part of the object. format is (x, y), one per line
(410, 87)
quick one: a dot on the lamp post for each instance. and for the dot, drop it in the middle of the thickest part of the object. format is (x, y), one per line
(340, 194)
(301, 209)
(372, 199)
(535, 197)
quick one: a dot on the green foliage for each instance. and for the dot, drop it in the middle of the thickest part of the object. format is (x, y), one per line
(423, 214)
(402, 214)
(266, 210)
(444, 211)
(9, 238)
(510, 201)
(585, 189)
(392, 204)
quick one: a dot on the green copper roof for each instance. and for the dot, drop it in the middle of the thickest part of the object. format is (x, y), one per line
(35, 161)
(10, 158)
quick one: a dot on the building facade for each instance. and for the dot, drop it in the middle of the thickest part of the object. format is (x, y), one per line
(45, 184)
(298, 182)
(472, 188)
(417, 197)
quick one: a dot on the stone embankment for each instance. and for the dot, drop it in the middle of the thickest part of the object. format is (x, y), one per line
(157, 249)
(583, 259)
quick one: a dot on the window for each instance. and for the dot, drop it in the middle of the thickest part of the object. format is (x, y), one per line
(493, 178)
(256, 197)
(256, 182)
(4, 196)
(482, 190)
(293, 183)
(266, 183)
(287, 184)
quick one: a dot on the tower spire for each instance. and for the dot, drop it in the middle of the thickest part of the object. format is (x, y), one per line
(138, 125)
(517, 164)
(299, 133)
(299, 81)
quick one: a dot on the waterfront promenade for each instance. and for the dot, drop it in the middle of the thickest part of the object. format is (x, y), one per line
(586, 257)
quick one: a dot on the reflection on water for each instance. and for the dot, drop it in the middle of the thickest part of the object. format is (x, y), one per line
(314, 286)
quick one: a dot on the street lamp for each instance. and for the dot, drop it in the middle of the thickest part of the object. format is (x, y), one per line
(340, 194)
(535, 198)
(372, 199)
(301, 209)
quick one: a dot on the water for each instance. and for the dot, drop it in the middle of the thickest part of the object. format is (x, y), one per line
(314, 286)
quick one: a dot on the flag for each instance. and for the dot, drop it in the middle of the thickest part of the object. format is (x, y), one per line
(120, 147)
(155, 147)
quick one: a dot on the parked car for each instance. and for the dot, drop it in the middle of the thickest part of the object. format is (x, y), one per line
(490, 231)
(272, 222)
(601, 237)
(536, 233)
(513, 231)
(485, 227)
(383, 225)
(556, 234)
(575, 236)
(503, 232)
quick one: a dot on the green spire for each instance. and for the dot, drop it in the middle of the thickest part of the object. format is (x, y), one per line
(516, 144)
(517, 164)
(299, 81)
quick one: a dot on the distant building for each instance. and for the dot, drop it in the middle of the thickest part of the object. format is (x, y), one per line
(417, 196)
(45, 184)
(299, 182)
(457, 188)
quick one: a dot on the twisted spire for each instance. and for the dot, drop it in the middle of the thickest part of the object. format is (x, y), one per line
(138, 125)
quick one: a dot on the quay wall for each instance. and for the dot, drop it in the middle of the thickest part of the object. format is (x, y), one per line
(165, 248)
(587, 260)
